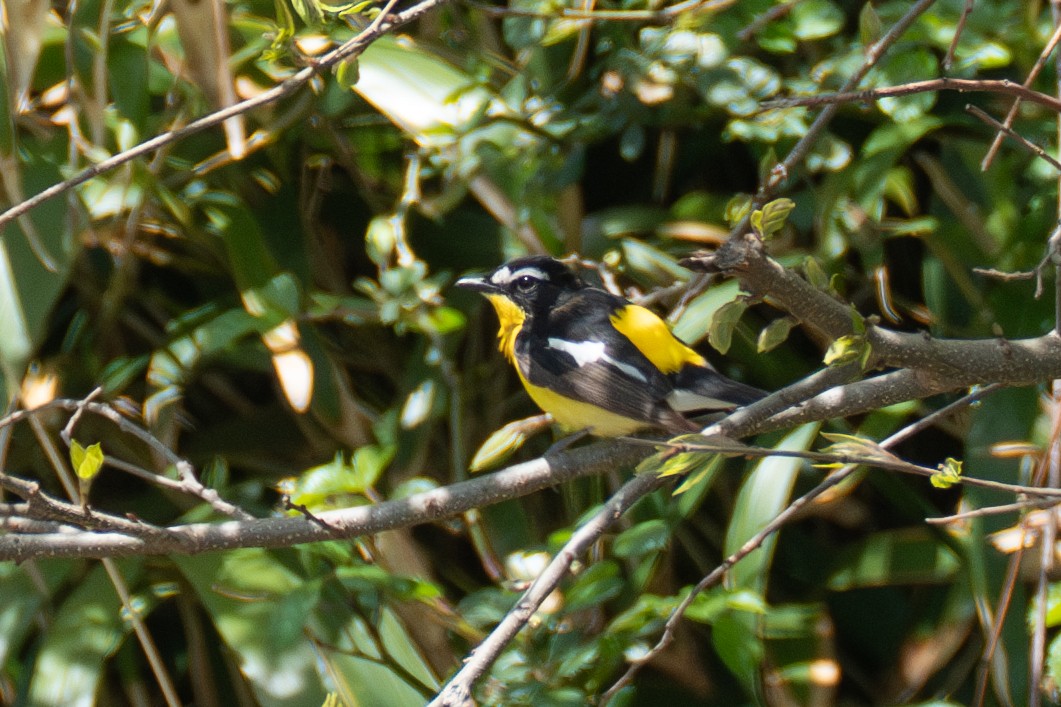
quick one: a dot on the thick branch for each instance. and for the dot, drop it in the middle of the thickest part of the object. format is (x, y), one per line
(513, 482)
(943, 364)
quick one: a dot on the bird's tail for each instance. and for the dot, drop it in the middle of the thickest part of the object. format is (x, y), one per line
(703, 389)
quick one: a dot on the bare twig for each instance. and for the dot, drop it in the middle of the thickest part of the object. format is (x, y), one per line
(188, 483)
(1007, 124)
(1006, 130)
(942, 84)
(384, 23)
(774, 13)
(780, 172)
(1018, 507)
(948, 60)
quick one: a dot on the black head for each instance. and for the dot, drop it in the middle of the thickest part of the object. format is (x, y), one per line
(530, 283)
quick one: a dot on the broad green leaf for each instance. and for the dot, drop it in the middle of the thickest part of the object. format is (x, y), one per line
(417, 90)
(644, 538)
(774, 334)
(85, 631)
(905, 67)
(36, 252)
(762, 496)
(368, 680)
(25, 590)
(261, 610)
(695, 320)
(598, 584)
(724, 322)
(815, 274)
(816, 19)
(895, 557)
(738, 644)
(869, 25)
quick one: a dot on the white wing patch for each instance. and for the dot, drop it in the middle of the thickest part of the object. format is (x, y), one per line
(587, 352)
(686, 401)
(503, 275)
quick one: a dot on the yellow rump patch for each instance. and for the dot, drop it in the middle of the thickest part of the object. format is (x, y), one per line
(651, 336)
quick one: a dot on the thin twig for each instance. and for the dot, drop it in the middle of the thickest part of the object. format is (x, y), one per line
(1007, 124)
(383, 24)
(1003, 86)
(986, 511)
(143, 636)
(781, 171)
(1004, 129)
(948, 60)
(774, 13)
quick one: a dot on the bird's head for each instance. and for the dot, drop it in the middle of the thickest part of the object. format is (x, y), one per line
(529, 285)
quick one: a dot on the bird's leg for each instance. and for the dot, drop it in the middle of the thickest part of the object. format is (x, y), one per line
(566, 441)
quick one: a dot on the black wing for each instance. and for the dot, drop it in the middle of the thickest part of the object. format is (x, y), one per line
(575, 351)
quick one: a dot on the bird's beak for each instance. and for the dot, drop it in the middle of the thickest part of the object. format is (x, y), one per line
(479, 284)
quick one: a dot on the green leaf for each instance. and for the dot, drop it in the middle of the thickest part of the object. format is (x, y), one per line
(948, 474)
(772, 217)
(598, 584)
(261, 609)
(736, 639)
(695, 321)
(701, 475)
(418, 91)
(309, 11)
(738, 208)
(895, 557)
(762, 496)
(855, 446)
(815, 274)
(869, 25)
(723, 324)
(85, 630)
(774, 334)
(816, 19)
(86, 461)
(642, 539)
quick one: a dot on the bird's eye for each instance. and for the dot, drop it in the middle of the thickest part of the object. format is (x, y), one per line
(525, 283)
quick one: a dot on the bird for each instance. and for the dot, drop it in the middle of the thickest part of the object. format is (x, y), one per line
(595, 361)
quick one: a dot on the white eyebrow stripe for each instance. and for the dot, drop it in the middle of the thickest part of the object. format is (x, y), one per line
(587, 352)
(503, 276)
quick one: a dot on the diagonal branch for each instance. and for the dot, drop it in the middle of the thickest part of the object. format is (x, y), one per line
(383, 24)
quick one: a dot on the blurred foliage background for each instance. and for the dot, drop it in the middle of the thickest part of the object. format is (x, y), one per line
(272, 301)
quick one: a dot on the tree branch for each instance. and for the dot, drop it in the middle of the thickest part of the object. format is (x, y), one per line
(513, 482)
(942, 84)
(383, 24)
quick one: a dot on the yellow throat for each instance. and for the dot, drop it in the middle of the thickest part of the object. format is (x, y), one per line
(511, 318)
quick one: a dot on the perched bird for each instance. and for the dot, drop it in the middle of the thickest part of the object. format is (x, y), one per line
(595, 361)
